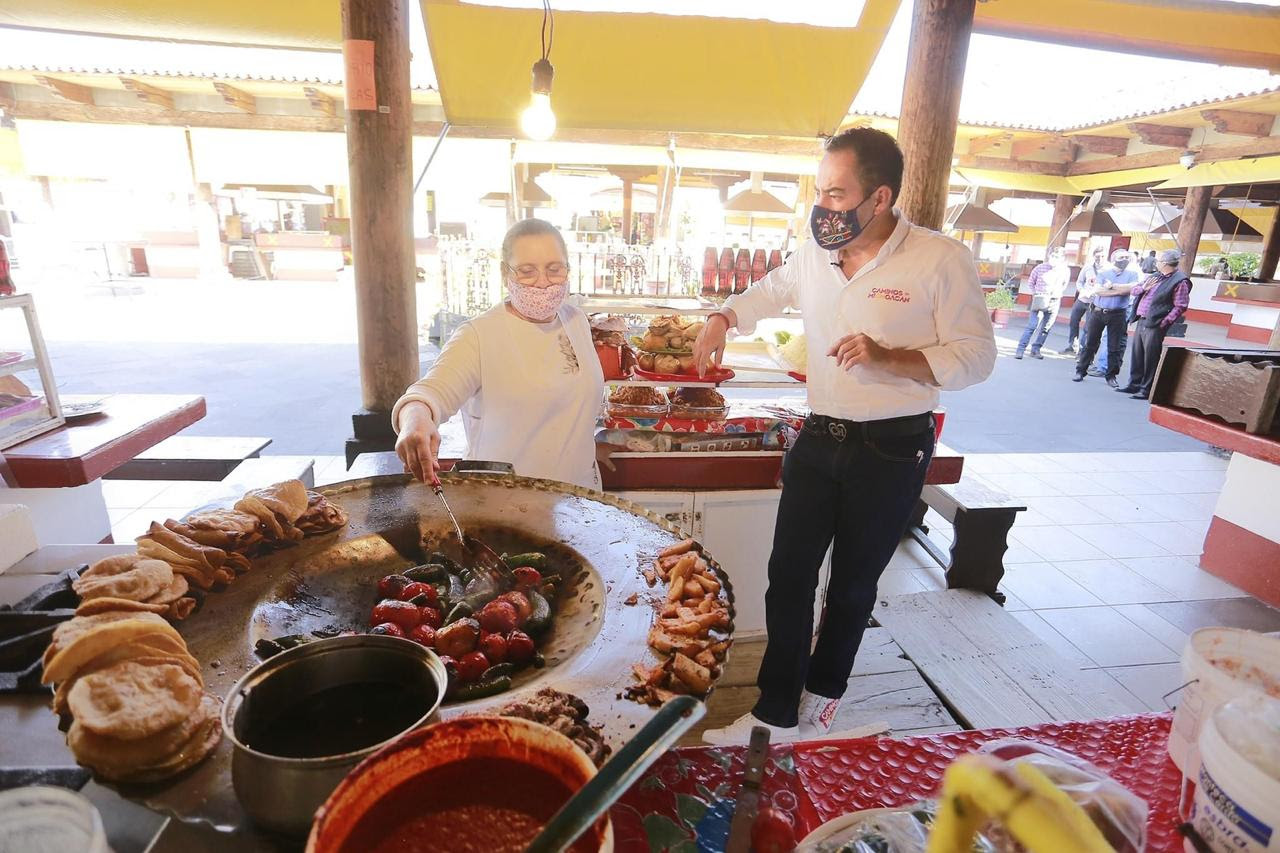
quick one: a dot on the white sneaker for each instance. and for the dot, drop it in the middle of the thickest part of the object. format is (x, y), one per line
(738, 733)
(817, 714)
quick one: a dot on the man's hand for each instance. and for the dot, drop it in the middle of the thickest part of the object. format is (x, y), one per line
(419, 443)
(708, 349)
(859, 349)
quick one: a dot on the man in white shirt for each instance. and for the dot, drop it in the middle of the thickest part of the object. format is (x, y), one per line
(1086, 285)
(893, 312)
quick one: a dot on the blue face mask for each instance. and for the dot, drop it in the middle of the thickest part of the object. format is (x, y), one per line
(835, 229)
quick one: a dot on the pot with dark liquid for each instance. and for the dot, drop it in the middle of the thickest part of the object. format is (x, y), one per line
(301, 720)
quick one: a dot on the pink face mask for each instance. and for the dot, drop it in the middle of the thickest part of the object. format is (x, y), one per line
(537, 303)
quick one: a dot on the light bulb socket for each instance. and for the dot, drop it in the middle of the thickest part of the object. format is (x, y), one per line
(543, 74)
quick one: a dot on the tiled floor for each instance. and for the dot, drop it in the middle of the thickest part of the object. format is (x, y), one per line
(1102, 566)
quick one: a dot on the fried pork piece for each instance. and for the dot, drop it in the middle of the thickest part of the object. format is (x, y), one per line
(565, 713)
(228, 529)
(321, 516)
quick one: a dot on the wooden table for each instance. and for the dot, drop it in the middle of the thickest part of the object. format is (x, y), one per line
(87, 448)
(58, 474)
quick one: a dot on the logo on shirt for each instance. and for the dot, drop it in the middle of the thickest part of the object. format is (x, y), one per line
(889, 294)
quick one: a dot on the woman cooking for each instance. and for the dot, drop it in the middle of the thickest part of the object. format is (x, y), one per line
(524, 374)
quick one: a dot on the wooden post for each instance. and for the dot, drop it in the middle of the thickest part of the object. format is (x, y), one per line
(979, 199)
(1271, 250)
(931, 105)
(1062, 207)
(380, 162)
(1194, 211)
(628, 190)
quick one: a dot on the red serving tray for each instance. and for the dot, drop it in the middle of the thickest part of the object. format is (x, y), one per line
(717, 375)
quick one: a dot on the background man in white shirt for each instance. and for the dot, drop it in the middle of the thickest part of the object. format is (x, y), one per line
(893, 312)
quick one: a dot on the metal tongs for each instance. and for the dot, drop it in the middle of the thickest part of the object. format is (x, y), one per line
(479, 555)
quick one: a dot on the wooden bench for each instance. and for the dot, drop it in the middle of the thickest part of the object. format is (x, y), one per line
(989, 670)
(264, 470)
(981, 518)
(184, 457)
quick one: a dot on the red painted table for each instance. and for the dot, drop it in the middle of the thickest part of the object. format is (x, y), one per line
(685, 802)
(87, 448)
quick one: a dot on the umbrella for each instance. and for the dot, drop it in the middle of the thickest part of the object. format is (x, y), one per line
(756, 201)
(1218, 224)
(1094, 222)
(971, 217)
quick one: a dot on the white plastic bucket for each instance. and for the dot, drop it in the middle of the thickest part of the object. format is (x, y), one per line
(1219, 664)
(1237, 805)
(44, 819)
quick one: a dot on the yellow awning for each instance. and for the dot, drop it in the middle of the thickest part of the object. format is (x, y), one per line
(733, 75)
(1029, 181)
(1225, 33)
(1253, 171)
(581, 153)
(298, 23)
(1123, 178)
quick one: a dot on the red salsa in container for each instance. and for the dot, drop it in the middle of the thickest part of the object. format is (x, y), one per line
(476, 805)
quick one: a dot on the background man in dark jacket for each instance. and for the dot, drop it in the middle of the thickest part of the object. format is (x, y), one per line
(1162, 300)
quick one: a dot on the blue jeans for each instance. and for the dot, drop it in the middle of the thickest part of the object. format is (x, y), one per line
(861, 493)
(1039, 323)
(1101, 362)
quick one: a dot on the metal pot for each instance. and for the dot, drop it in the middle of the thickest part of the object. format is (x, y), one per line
(282, 794)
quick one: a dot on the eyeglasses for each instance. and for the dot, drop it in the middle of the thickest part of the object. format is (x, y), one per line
(529, 274)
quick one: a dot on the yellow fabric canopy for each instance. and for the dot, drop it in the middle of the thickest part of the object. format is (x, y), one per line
(1225, 33)
(1225, 172)
(1029, 181)
(615, 70)
(1123, 178)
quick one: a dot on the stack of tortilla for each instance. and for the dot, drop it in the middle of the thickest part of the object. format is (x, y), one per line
(134, 695)
(132, 583)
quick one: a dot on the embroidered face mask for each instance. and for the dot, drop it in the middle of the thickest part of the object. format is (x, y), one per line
(835, 229)
(537, 303)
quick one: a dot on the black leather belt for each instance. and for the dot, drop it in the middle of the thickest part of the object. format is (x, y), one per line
(1109, 310)
(887, 428)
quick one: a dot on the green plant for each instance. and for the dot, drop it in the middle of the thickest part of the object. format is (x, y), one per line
(1242, 264)
(782, 337)
(1000, 298)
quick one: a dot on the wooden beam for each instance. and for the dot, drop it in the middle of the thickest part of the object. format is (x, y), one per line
(1034, 167)
(1271, 257)
(1159, 134)
(936, 57)
(149, 95)
(73, 92)
(8, 100)
(380, 164)
(1263, 147)
(983, 144)
(56, 111)
(320, 102)
(233, 97)
(1063, 207)
(1116, 146)
(1240, 122)
(1059, 148)
(1192, 225)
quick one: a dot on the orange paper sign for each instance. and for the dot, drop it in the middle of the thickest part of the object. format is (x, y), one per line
(362, 93)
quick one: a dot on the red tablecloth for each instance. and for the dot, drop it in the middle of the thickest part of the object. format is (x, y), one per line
(685, 802)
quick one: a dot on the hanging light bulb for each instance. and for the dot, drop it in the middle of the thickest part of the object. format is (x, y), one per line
(538, 120)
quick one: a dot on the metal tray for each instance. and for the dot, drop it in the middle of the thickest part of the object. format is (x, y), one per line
(329, 583)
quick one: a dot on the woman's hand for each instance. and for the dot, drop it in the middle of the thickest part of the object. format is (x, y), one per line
(419, 443)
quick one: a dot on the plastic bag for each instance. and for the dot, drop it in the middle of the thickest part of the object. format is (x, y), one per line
(899, 830)
(1120, 814)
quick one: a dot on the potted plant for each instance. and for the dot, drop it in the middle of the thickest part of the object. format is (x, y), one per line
(1000, 301)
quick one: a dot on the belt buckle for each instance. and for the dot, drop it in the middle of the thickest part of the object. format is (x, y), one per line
(837, 430)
